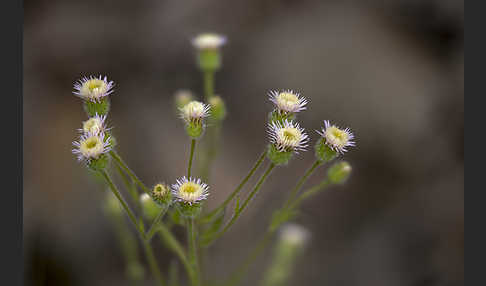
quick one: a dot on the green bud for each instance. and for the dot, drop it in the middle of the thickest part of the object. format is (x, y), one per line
(112, 205)
(101, 108)
(339, 172)
(149, 207)
(135, 271)
(218, 108)
(323, 152)
(209, 59)
(195, 129)
(277, 157)
(278, 116)
(161, 194)
(183, 97)
(98, 164)
(189, 210)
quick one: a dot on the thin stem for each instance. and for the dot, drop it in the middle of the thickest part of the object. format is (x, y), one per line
(154, 267)
(129, 185)
(191, 235)
(193, 145)
(174, 245)
(130, 173)
(156, 221)
(208, 84)
(301, 182)
(310, 192)
(247, 201)
(208, 217)
(211, 147)
(117, 194)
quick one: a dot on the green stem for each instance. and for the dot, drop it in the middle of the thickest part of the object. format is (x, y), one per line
(130, 173)
(209, 216)
(208, 84)
(130, 186)
(310, 192)
(154, 267)
(156, 221)
(191, 233)
(245, 204)
(301, 182)
(211, 147)
(193, 145)
(117, 194)
(174, 245)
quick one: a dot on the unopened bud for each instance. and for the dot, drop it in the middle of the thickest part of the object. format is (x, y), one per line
(339, 172)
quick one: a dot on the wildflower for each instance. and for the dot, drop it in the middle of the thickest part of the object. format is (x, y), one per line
(193, 114)
(288, 137)
(94, 125)
(92, 148)
(161, 194)
(208, 51)
(93, 89)
(208, 41)
(288, 101)
(335, 138)
(190, 191)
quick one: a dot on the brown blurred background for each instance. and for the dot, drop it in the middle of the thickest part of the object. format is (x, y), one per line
(393, 71)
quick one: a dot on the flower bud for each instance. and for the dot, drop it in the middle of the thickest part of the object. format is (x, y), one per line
(112, 205)
(149, 207)
(208, 51)
(182, 98)
(218, 108)
(339, 172)
(161, 194)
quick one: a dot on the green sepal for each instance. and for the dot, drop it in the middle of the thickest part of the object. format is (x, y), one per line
(209, 59)
(101, 108)
(278, 116)
(189, 210)
(323, 152)
(98, 164)
(194, 129)
(277, 157)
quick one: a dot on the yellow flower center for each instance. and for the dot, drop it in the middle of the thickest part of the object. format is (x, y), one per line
(92, 147)
(287, 98)
(160, 190)
(189, 188)
(94, 88)
(92, 125)
(337, 136)
(190, 191)
(289, 137)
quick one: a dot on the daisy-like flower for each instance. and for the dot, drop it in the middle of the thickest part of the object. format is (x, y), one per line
(208, 41)
(94, 125)
(288, 101)
(161, 194)
(91, 146)
(337, 138)
(194, 112)
(288, 136)
(93, 88)
(190, 191)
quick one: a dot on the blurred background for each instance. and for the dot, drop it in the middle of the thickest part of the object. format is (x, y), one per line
(393, 71)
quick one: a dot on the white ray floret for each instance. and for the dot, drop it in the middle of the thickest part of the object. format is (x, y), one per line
(190, 190)
(288, 101)
(195, 111)
(288, 136)
(208, 41)
(94, 125)
(336, 138)
(93, 88)
(91, 146)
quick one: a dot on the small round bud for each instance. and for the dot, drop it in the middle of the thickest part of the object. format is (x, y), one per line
(324, 153)
(112, 205)
(218, 108)
(161, 194)
(183, 97)
(339, 172)
(149, 207)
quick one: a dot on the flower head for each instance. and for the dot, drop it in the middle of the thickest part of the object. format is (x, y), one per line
(337, 138)
(208, 41)
(288, 101)
(161, 194)
(294, 234)
(190, 190)
(195, 112)
(93, 88)
(288, 136)
(94, 125)
(91, 146)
